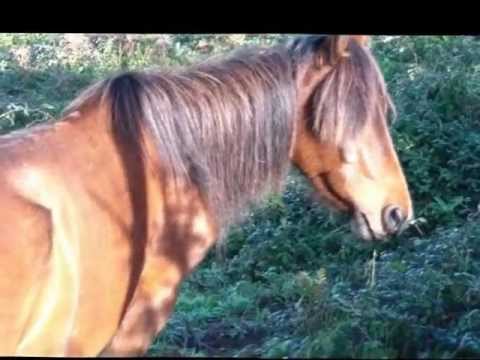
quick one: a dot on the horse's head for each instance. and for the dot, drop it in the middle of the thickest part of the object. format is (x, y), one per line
(342, 141)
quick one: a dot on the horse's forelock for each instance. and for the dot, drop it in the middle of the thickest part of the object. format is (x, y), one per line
(349, 97)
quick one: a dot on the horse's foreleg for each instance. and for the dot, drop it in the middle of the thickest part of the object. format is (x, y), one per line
(149, 310)
(183, 244)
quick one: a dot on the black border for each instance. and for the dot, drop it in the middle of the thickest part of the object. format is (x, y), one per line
(241, 17)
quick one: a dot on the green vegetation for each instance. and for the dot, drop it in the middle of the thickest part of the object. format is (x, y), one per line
(295, 282)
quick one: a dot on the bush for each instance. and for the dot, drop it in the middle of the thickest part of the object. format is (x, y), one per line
(435, 82)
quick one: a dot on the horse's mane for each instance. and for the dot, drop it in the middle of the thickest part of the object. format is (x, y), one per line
(227, 125)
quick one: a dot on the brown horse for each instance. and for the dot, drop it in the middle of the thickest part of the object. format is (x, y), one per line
(104, 213)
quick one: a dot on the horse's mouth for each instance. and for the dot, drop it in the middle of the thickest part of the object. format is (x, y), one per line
(361, 227)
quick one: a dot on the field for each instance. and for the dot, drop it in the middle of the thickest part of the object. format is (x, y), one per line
(294, 282)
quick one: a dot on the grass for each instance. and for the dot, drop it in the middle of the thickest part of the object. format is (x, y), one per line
(294, 281)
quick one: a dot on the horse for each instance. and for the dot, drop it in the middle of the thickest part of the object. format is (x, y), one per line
(106, 210)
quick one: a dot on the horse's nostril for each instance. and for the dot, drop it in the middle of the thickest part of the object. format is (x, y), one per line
(397, 216)
(393, 218)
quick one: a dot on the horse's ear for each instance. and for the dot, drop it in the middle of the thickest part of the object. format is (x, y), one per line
(362, 40)
(337, 46)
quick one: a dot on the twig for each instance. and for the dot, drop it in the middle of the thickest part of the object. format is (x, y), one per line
(372, 274)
